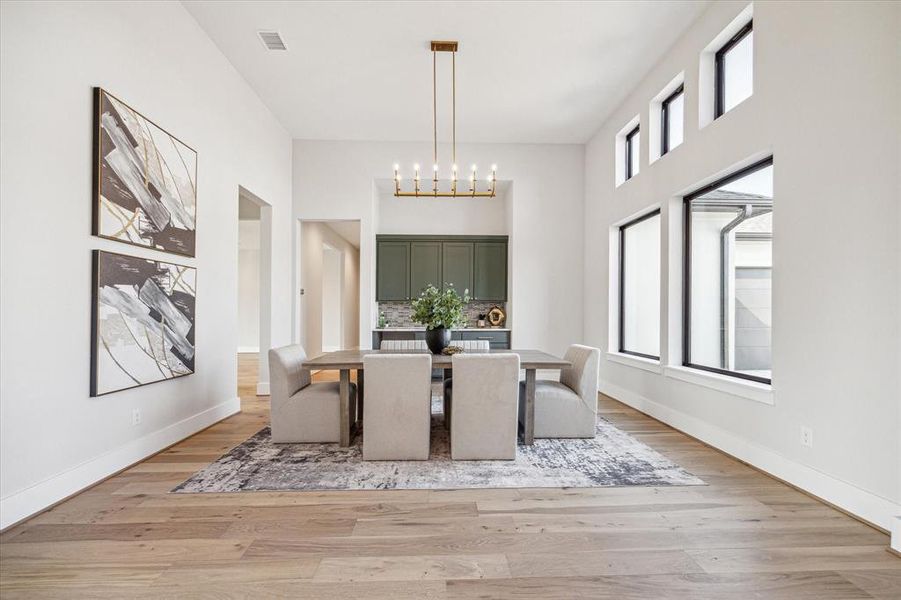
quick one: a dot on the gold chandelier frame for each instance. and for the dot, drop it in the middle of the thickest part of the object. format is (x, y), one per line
(473, 190)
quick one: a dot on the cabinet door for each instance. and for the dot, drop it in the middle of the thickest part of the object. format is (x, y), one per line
(490, 271)
(393, 271)
(425, 266)
(457, 266)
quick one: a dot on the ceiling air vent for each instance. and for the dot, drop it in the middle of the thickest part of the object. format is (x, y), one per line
(272, 40)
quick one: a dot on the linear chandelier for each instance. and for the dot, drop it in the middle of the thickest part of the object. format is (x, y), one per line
(437, 190)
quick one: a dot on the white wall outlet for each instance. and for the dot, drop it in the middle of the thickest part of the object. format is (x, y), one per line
(806, 436)
(136, 416)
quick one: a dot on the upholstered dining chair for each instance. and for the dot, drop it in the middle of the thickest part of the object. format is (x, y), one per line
(469, 346)
(302, 411)
(483, 424)
(567, 408)
(397, 413)
(403, 345)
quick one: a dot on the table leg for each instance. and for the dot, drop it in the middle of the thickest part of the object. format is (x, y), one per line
(528, 434)
(448, 373)
(360, 395)
(344, 392)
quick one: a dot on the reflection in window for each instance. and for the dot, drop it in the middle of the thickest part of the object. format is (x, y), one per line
(639, 298)
(729, 228)
(735, 70)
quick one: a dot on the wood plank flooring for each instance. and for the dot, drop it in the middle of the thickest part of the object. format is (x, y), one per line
(743, 536)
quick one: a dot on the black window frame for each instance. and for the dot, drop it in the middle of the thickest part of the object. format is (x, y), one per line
(628, 151)
(686, 270)
(622, 281)
(720, 68)
(664, 118)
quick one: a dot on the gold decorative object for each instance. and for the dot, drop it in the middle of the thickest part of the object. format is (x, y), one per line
(450, 189)
(451, 350)
(497, 317)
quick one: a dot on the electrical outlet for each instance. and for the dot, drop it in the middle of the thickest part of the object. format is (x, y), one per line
(136, 416)
(806, 436)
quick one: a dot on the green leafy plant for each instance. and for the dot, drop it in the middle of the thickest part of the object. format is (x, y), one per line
(436, 309)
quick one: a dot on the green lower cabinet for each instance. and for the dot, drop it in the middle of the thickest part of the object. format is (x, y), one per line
(490, 271)
(457, 266)
(425, 266)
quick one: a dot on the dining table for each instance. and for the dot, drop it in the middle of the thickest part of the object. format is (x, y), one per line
(345, 361)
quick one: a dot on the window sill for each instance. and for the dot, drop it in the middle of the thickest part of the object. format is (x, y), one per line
(647, 364)
(752, 390)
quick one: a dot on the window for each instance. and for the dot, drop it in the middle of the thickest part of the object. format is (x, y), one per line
(633, 143)
(734, 64)
(728, 275)
(672, 110)
(639, 286)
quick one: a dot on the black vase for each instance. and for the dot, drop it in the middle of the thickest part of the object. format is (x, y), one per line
(437, 339)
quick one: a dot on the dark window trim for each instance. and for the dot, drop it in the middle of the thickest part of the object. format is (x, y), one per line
(628, 149)
(686, 270)
(720, 77)
(664, 118)
(622, 287)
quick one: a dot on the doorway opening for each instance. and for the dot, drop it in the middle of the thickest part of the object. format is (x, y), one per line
(329, 286)
(253, 294)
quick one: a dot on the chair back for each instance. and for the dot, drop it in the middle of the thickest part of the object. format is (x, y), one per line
(485, 406)
(582, 376)
(403, 345)
(398, 409)
(286, 375)
(473, 345)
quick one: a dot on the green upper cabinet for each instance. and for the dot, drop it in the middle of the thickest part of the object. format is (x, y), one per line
(425, 266)
(490, 271)
(457, 266)
(392, 271)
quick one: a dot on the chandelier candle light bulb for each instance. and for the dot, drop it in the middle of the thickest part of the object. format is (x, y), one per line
(491, 181)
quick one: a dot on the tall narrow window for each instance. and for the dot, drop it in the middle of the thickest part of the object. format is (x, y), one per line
(672, 111)
(639, 286)
(728, 275)
(633, 143)
(734, 64)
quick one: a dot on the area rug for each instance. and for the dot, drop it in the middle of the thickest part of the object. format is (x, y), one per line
(612, 458)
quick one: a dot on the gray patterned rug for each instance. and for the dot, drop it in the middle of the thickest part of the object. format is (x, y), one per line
(612, 458)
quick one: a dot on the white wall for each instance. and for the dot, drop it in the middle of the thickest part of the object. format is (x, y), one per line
(544, 211)
(826, 86)
(248, 286)
(332, 275)
(55, 438)
(441, 216)
(313, 236)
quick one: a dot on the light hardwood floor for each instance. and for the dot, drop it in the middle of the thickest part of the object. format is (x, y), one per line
(744, 535)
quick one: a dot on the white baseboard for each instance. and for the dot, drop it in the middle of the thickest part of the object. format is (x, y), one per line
(870, 507)
(263, 388)
(248, 349)
(25, 503)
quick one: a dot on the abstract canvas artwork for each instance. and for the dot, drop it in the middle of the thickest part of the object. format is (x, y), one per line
(143, 322)
(145, 180)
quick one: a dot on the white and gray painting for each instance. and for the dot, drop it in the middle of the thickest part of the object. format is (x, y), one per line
(146, 184)
(144, 322)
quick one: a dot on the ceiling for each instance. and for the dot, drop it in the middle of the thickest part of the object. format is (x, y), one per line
(527, 72)
(349, 230)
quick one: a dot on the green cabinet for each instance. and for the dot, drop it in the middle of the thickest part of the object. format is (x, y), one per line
(490, 271)
(425, 266)
(457, 266)
(393, 271)
(406, 264)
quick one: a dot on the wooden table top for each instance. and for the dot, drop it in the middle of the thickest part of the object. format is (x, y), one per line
(353, 359)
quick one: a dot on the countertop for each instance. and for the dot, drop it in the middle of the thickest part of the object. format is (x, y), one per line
(454, 329)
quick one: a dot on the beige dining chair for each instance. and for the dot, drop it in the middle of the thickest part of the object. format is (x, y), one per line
(469, 346)
(567, 408)
(302, 411)
(397, 412)
(483, 423)
(403, 345)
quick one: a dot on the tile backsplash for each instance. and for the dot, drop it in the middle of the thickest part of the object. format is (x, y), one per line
(398, 314)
